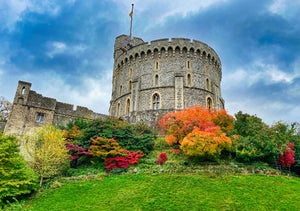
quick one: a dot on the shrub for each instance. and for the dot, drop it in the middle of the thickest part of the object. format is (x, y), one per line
(287, 158)
(177, 125)
(259, 142)
(49, 155)
(76, 152)
(204, 144)
(15, 178)
(123, 162)
(137, 137)
(162, 158)
(105, 148)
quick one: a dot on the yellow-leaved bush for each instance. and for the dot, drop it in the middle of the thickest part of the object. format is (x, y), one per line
(207, 144)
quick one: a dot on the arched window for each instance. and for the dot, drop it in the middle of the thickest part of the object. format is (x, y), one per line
(156, 66)
(120, 90)
(127, 107)
(118, 110)
(156, 102)
(189, 79)
(209, 103)
(156, 80)
(129, 86)
(23, 91)
(207, 84)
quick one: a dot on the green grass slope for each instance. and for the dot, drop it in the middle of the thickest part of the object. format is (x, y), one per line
(173, 192)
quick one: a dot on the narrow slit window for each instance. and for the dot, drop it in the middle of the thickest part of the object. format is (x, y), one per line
(156, 80)
(156, 65)
(121, 90)
(188, 79)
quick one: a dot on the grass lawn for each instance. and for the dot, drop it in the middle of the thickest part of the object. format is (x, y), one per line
(173, 192)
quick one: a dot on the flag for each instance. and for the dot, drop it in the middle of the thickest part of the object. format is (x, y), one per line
(130, 14)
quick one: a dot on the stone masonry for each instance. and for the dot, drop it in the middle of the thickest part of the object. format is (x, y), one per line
(31, 110)
(152, 79)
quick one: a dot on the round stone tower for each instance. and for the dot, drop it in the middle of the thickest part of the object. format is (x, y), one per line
(152, 79)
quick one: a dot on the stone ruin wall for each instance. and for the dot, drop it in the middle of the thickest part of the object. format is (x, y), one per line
(135, 71)
(28, 105)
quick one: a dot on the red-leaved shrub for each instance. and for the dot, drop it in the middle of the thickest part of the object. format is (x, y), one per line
(162, 158)
(288, 157)
(75, 151)
(122, 161)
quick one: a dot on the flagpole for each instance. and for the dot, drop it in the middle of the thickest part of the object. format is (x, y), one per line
(131, 23)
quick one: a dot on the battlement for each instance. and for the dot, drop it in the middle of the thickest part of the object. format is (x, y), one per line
(140, 48)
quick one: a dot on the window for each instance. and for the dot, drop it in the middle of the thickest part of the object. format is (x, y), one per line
(23, 91)
(209, 103)
(207, 84)
(40, 117)
(130, 72)
(156, 66)
(129, 86)
(189, 79)
(127, 107)
(118, 110)
(188, 64)
(156, 101)
(121, 90)
(206, 69)
(156, 80)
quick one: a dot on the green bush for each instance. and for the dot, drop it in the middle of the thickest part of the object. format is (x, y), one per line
(259, 142)
(132, 137)
(15, 178)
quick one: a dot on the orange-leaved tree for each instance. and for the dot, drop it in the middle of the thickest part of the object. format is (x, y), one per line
(106, 148)
(177, 125)
(206, 144)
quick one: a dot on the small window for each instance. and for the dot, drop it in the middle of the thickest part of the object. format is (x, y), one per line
(156, 102)
(127, 107)
(188, 65)
(121, 90)
(23, 91)
(156, 66)
(129, 86)
(40, 117)
(118, 110)
(206, 69)
(189, 79)
(130, 72)
(207, 84)
(156, 80)
(209, 103)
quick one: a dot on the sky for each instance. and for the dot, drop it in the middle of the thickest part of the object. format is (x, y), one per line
(65, 48)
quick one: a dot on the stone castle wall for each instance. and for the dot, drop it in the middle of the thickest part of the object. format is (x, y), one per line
(181, 72)
(2, 125)
(32, 110)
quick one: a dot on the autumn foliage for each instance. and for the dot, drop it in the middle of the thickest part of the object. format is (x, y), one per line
(177, 125)
(206, 144)
(162, 158)
(199, 130)
(288, 157)
(123, 161)
(105, 148)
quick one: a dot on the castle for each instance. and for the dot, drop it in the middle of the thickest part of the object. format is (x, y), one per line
(149, 80)
(152, 79)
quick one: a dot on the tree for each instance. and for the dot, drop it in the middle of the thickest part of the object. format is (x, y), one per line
(5, 108)
(49, 155)
(177, 125)
(15, 178)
